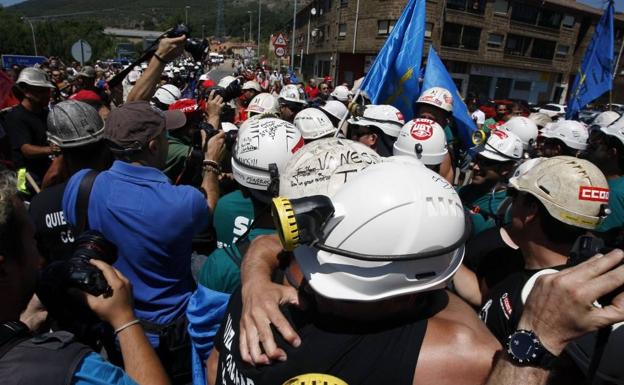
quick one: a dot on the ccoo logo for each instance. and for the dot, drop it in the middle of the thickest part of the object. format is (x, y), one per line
(594, 194)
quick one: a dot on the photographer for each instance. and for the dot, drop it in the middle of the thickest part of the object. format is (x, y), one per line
(54, 358)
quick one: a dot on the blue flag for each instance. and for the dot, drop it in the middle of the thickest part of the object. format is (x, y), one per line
(436, 75)
(393, 77)
(596, 74)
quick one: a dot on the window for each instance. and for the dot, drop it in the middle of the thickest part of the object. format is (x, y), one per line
(501, 6)
(461, 36)
(524, 13)
(428, 29)
(384, 27)
(517, 45)
(521, 85)
(549, 19)
(495, 40)
(472, 6)
(342, 30)
(543, 49)
(344, 3)
(562, 50)
(568, 21)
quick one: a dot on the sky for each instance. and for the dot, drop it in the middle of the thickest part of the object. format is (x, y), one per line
(619, 4)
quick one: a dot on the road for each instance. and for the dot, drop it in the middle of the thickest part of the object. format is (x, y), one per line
(221, 71)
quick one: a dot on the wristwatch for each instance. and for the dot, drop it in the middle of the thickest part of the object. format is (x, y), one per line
(524, 348)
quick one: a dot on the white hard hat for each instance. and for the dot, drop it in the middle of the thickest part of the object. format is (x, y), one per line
(335, 108)
(227, 127)
(313, 124)
(437, 97)
(525, 166)
(252, 85)
(606, 118)
(616, 129)
(572, 133)
(502, 146)
(225, 81)
(291, 93)
(143, 65)
(167, 94)
(263, 103)
(34, 77)
(379, 239)
(524, 128)
(385, 117)
(423, 139)
(341, 93)
(573, 190)
(203, 77)
(540, 119)
(323, 166)
(261, 142)
(133, 76)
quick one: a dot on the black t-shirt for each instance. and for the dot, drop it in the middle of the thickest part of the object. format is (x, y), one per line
(491, 258)
(26, 127)
(356, 352)
(503, 306)
(54, 236)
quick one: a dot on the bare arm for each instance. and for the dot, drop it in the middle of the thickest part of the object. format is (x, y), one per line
(168, 49)
(559, 310)
(214, 150)
(261, 300)
(446, 169)
(212, 365)
(31, 151)
(467, 286)
(140, 360)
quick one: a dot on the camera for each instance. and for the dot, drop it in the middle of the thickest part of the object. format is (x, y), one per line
(585, 247)
(196, 47)
(232, 91)
(230, 136)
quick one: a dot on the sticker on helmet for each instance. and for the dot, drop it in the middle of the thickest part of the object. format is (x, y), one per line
(421, 130)
(299, 144)
(594, 194)
(448, 99)
(501, 134)
(400, 116)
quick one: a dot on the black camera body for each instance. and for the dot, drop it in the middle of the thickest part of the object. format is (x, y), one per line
(585, 247)
(196, 47)
(230, 136)
(232, 91)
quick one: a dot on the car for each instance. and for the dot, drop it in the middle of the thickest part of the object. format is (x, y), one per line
(553, 110)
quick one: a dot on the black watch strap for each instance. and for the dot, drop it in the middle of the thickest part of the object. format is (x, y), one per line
(525, 348)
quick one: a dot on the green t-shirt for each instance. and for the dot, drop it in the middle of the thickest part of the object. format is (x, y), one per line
(616, 205)
(220, 272)
(232, 217)
(449, 134)
(176, 156)
(481, 207)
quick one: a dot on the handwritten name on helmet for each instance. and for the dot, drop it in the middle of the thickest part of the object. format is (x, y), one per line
(594, 194)
(501, 134)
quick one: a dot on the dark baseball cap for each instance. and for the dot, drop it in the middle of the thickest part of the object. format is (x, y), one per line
(134, 124)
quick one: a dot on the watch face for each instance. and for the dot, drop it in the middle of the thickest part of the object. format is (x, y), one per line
(523, 347)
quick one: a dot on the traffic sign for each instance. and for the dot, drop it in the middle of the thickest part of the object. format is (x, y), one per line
(21, 60)
(280, 40)
(280, 51)
(81, 51)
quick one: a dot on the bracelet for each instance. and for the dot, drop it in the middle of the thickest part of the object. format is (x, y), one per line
(213, 170)
(208, 162)
(122, 327)
(159, 58)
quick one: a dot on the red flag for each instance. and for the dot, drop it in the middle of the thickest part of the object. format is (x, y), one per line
(5, 89)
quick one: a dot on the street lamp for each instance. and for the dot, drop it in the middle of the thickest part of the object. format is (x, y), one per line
(32, 29)
(312, 13)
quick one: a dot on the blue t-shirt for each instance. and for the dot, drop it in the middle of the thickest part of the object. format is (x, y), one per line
(94, 370)
(152, 222)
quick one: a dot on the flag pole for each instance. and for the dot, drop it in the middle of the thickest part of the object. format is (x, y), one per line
(344, 119)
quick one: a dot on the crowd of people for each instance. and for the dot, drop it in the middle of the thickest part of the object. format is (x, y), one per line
(256, 230)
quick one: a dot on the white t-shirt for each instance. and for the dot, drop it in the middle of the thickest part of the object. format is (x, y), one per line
(478, 116)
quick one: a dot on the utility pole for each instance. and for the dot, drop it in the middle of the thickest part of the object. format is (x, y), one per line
(292, 45)
(259, 10)
(186, 9)
(250, 27)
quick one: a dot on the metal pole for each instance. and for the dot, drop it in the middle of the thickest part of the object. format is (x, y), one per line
(357, 17)
(186, 14)
(203, 31)
(259, 11)
(292, 45)
(301, 62)
(32, 29)
(81, 54)
(617, 61)
(308, 38)
(250, 27)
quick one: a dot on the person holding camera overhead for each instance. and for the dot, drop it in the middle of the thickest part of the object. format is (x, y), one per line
(152, 222)
(56, 358)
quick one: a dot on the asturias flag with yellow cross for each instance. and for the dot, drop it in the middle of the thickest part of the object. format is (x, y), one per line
(393, 77)
(596, 74)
